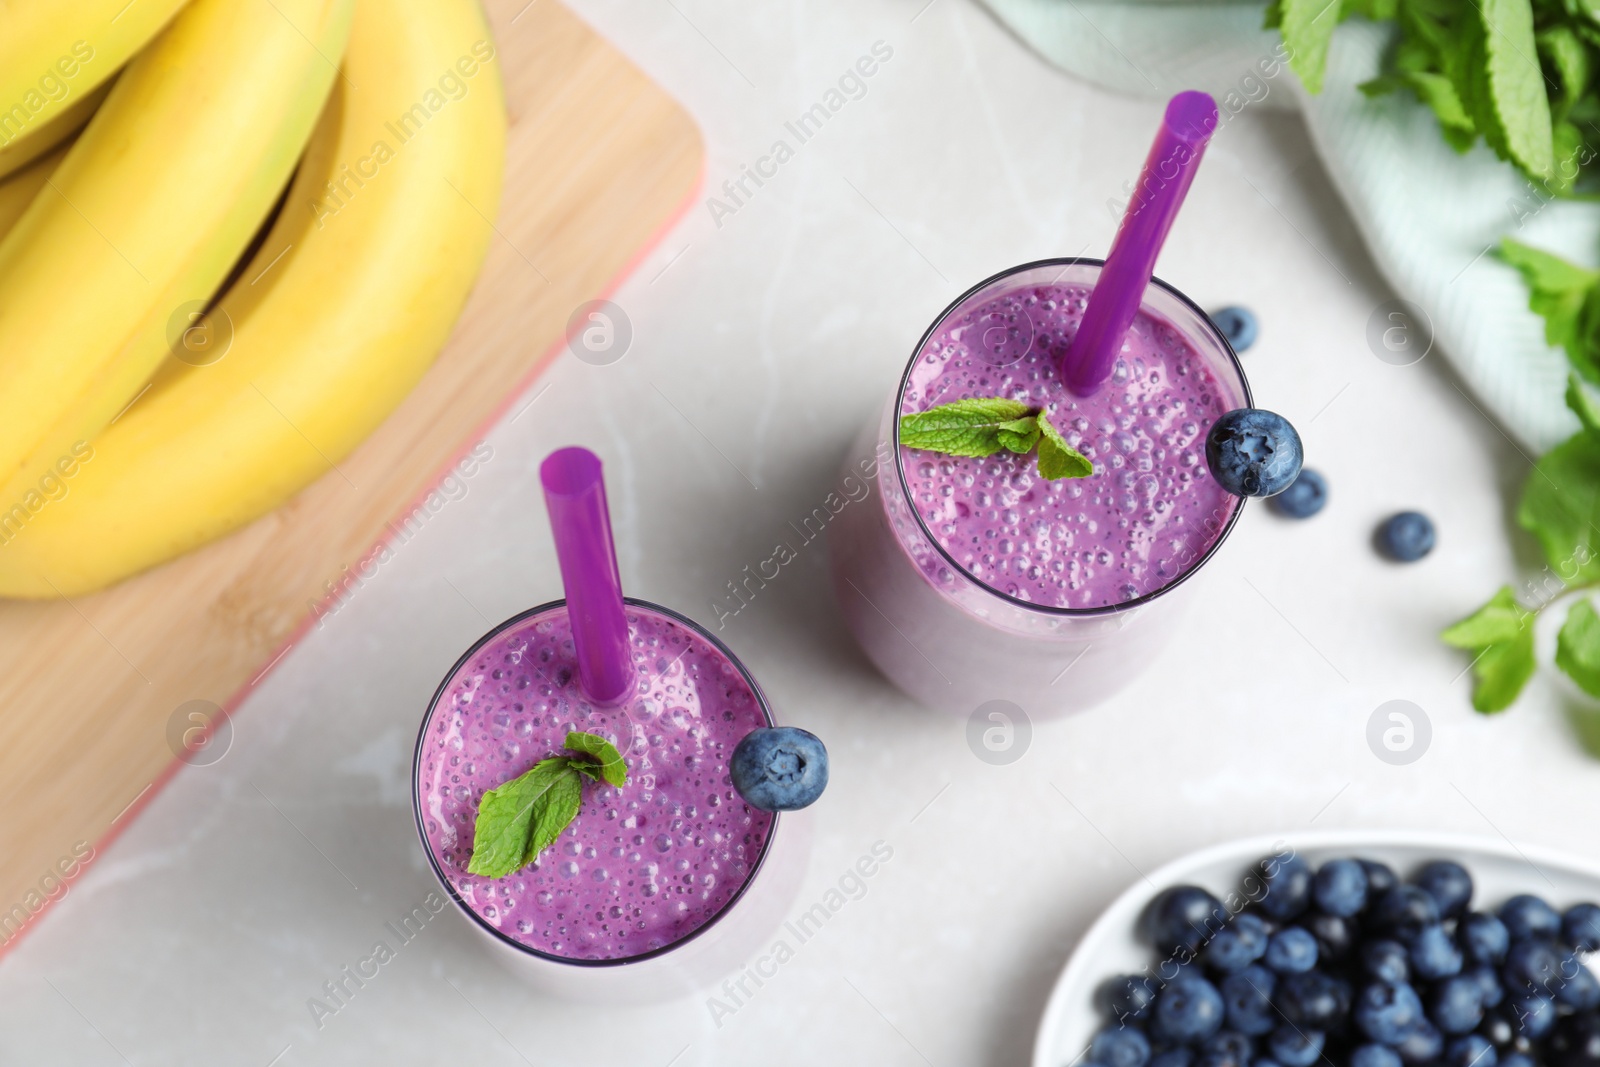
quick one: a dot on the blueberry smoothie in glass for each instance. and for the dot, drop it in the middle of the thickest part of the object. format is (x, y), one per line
(646, 864)
(970, 579)
(1149, 509)
(598, 782)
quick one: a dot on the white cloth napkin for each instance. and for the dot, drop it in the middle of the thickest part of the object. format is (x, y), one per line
(1427, 214)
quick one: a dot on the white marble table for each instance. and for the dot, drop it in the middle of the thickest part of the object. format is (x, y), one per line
(759, 345)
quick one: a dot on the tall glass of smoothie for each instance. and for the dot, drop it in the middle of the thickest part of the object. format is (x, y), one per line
(662, 882)
(970, 580)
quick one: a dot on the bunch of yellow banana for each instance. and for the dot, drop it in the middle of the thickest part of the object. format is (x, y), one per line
(202, 373)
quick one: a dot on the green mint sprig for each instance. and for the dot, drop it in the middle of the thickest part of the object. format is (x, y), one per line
(521, 818)
(982, 426)
(1561, 507)
(1516, 73)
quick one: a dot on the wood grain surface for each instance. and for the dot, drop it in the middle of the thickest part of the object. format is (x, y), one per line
(599, 162)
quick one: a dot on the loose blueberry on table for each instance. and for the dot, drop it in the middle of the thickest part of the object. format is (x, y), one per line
(1238, 325)
(1346, 965)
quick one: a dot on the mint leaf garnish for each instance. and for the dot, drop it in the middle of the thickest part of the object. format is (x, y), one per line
(611, 767)
(965, 428)
(1501, 635)
(521, 818)
(507, 814)
(982, 426)
(1578, 647)
(1057, 459)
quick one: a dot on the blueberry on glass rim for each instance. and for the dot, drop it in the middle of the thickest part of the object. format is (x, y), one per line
(1238, 325)
(781, 768)
(1253, 452)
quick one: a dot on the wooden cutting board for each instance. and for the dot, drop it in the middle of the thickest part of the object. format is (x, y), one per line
(94, 693)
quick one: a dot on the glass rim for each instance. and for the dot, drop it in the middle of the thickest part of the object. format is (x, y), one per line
(905, 487)
(433, 861)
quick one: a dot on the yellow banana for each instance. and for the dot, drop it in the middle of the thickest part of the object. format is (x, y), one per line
(54, 53)
(18, 190)
(146, 214)
(18, 153)
(345, 305)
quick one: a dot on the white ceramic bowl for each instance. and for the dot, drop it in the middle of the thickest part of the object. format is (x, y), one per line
(1112, 945)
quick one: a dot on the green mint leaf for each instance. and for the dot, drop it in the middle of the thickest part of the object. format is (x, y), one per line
(1018, 435)
(1307, 27)
(1374, 10)
(1578, 647)
(1563, 294)
(507, 814)
(611, 766)
(1502, 670)
(963, 428)
(553, 812)
(1567, 54)
(1516, 86)
(1583, 405)
(1559, 507)
(1439, 93)
(1501, 619)
(1274, 16)
(1057, 459)
(1501, 635)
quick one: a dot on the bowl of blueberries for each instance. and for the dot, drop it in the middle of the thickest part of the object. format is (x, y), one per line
(1339, 949)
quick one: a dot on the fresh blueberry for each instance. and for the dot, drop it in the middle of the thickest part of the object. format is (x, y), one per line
(1580, 926)
(1238, 325)
(1128, 998)
(1263, 1061)
(1473, 1050)
(1406, 537)
(1456, 1004)
(1576, 1042)
(1380, 879)
(1288, 885)
(1434, 954)
(1296, 1048)
(1184, 918)
(780, 768)
(1181, 1056)
(1237, 946)
(1404, 912)
(1313, 1000)
(1253, 452)
(1448, 884)
(1227, 1048)
(1385, 1012)
(1533, 967)
(1374, 1056)
(1483, 937)
(1120, 1046)
(1516, 1059)
(1490, 991)
(1340, 887)
(1577, 988)
(1336, 936)
(1387, 961)
(1188, 1010)
(1291, 951)
(1525, 916)
(1248, 1000)
(1421, 1044)
(1533, 1015)
(1304, 498)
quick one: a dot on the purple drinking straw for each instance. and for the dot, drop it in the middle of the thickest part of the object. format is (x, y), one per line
(1169, 169)
(575, 494)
